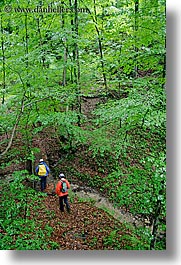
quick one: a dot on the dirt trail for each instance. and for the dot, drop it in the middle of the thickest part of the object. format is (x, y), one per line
(92, 222)
(101, 202)
(85, 228)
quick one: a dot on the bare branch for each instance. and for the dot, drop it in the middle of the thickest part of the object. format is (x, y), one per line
(14, 128)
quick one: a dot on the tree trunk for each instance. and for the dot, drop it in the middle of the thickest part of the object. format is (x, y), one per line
(3, 64)
(100, 49)
(156, 215)
(64, 74)
(76, 58)
(14, 128)
(155, 225)
(26, 41)
(42, 60)
(135, 38)
(64, 66)
(164, 59)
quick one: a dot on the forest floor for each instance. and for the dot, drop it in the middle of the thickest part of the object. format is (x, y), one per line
(86, 227)
(92, 224)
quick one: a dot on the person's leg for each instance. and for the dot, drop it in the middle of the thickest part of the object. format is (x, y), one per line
(43, 183)
(66, 202)
(61, 204)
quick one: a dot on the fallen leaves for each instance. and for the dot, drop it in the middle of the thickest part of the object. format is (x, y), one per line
(84, 228)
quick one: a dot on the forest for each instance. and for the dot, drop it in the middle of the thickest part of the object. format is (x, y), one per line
(83, 87)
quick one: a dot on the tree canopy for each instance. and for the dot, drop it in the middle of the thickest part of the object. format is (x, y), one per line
(89, 78)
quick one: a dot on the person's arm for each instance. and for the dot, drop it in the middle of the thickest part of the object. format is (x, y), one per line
(36, 169)
(47, 168)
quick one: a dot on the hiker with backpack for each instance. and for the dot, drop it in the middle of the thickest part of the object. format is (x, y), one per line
(42, 171)
(62, 191)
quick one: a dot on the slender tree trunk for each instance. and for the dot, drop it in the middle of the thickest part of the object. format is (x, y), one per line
(64, 74)
(119, 75)
(164, 59)
(77, 60)
(28, 139)
(26, 56)
(155, 225)
(26, 41)
(42, 60)
(100, 48)
(135, 38)
(14, 128)
(3, 64)
(156, 216)
(72, 28)
(64, 81)
(75, 35)
(26, 206)
(76, 44)
(75, 71)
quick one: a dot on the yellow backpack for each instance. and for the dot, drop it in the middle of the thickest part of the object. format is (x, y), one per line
(42, 170)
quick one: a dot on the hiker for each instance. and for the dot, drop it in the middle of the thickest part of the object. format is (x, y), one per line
(62, 191)
(42, 170)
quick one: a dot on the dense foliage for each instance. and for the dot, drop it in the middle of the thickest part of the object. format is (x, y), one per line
(53, 62)
(19, 203)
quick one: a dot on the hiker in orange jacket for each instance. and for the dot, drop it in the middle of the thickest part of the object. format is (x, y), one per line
(62, 191)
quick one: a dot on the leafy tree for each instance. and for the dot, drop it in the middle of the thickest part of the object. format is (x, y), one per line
(114, 50)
